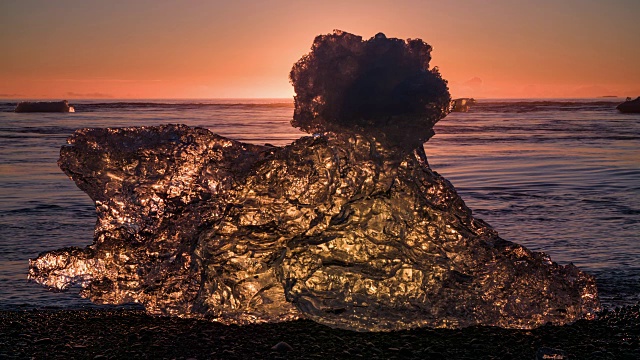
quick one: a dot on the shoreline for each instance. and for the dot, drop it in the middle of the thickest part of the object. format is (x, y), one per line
(105, 334)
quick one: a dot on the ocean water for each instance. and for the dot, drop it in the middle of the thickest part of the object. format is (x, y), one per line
(560, 176)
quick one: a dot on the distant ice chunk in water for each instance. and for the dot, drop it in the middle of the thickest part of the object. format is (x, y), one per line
(630, 106)
(44, 106)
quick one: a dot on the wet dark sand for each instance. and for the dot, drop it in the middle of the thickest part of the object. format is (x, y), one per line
(106, 334)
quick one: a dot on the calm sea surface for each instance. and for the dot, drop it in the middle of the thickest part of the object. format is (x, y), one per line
(560, 176)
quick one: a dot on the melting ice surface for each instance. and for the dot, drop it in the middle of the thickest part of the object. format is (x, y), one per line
(351, 228)
(193, 224)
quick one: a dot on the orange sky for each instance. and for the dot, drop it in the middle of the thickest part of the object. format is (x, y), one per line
(239, 49)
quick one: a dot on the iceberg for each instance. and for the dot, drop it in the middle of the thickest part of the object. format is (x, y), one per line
(44, 106)
(462, 104)
(630, 106)
(349, 227)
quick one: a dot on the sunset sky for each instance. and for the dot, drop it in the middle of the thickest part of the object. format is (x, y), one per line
(239, 49)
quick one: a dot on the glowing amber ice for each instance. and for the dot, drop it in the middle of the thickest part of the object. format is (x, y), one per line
(349, 227)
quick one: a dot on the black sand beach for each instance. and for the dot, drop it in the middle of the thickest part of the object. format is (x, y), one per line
(118, 334)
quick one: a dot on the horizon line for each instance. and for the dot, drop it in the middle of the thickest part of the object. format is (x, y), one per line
(286, 98)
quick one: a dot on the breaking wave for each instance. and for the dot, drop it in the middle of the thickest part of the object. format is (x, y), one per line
(523, 106)
(483, 105)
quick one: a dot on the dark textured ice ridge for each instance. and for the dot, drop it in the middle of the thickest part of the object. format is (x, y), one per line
(349, 227)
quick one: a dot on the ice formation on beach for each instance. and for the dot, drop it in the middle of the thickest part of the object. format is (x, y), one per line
(349, 227)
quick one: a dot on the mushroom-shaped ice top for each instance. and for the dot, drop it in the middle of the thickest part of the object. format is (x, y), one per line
(381, 87)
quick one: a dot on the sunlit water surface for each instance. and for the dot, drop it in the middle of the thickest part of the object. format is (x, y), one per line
(559, 176)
